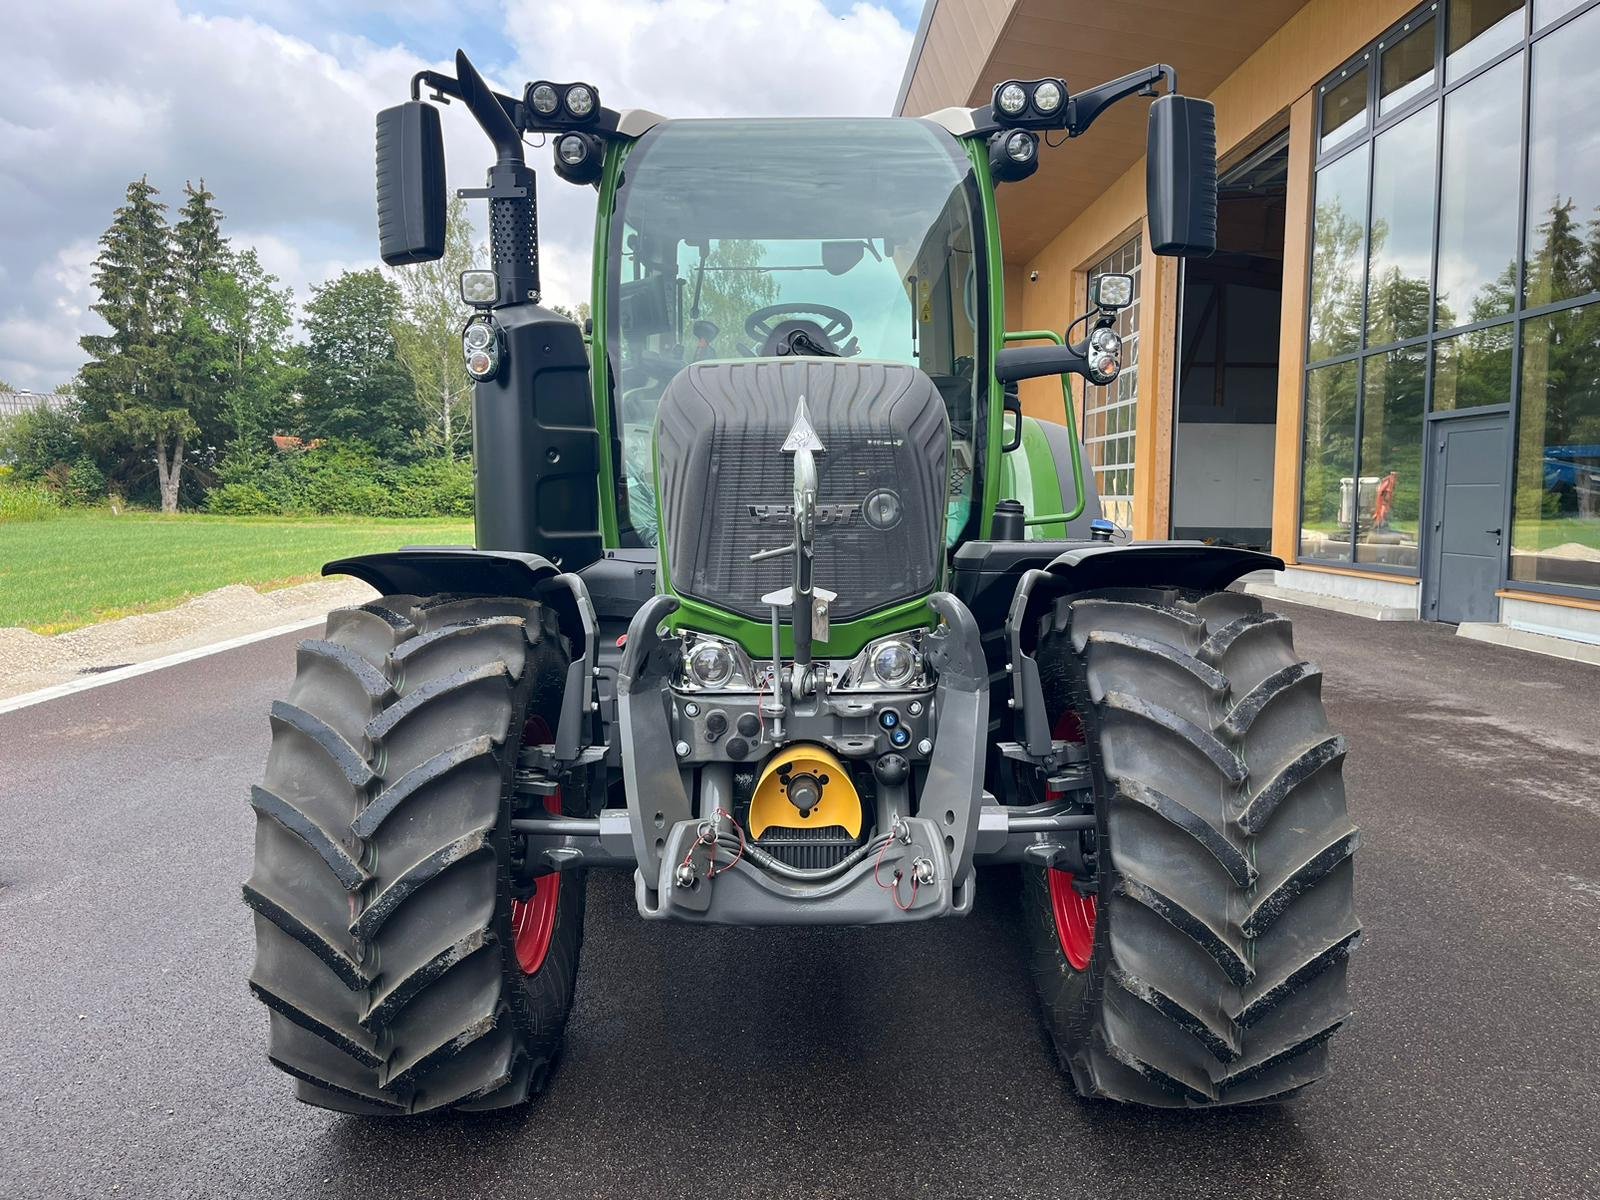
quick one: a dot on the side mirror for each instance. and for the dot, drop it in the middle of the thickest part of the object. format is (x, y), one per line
(411, 189)
(1181, 177)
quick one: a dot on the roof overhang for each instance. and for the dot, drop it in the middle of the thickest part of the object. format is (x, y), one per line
(964, 47)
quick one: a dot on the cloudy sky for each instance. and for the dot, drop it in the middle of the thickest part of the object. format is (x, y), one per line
(272, 101)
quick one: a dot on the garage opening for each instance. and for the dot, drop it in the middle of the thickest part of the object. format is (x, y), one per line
(1228, 361)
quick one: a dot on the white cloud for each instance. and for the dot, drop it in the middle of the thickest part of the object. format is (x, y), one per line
(99, 93)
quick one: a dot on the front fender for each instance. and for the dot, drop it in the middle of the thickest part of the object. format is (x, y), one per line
(466, 570)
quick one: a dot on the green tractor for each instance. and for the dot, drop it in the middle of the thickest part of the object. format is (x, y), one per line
(781, 604)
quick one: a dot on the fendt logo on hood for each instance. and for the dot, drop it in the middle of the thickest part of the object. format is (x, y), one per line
(881, 510)
(827, 514)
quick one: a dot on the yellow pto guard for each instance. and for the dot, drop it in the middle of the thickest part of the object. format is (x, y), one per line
(805, 787)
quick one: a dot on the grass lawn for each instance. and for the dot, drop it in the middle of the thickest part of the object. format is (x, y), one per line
(84, 567)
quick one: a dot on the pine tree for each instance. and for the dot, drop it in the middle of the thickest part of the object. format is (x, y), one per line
(198, 244)
(202, 262)
(128, 384)
(1555, 260)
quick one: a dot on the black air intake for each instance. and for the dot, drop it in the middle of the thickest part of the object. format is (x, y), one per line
(727, 487)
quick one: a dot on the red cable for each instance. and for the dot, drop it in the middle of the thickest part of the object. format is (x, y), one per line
(884, 849)
(739, 829)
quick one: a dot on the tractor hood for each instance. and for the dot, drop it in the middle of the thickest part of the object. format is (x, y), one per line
(727, 486)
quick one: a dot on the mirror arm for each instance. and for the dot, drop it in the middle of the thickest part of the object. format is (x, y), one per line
(1083, 108)
(1035, 362)
(444, 89)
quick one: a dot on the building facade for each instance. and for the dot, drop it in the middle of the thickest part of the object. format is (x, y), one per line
(1389, 372)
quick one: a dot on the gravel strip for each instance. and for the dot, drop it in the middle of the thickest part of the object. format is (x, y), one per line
(29, 661)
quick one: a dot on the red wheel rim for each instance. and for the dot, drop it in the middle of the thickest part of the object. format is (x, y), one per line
(1074, 915)
(533, 921)
(1074, 912)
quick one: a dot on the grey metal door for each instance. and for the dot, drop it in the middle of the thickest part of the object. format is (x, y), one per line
(1466, 508)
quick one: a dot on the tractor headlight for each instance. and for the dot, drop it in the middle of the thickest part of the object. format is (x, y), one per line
(480, 345)
(580, 100)
(1011, 98)
(543, 99)
(894, 663)
(710, 663)
(579, 157)
(572, 149)
(888, 664)
(1047, 97)
(1106, 341)
(1021, 147)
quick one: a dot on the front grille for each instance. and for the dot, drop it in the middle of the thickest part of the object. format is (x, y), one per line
(808, 849)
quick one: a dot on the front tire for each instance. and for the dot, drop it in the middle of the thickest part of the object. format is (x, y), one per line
(1204, 962)
(401, 972)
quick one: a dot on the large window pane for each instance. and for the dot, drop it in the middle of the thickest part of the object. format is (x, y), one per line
(1338, 252)
(1472, 369)
(1545, 11)
(1400, 262)
(1407, 65)
(1555, 529)
(1329, 447)
(1388, 498)
(1564, 163)
(1344, 107)
(1477, 31)
(1478, 208)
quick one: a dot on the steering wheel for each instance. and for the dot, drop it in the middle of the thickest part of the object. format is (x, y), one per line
(762, 324)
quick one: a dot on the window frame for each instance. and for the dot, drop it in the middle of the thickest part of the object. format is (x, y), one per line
(1375, 124)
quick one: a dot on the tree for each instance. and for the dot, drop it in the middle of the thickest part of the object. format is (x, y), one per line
(735, 285)
(250, 317)
(428, 337)
(200, 257)
(39, 439)
(198, 245)
(127, 389)
(355, 387)
(578, 313)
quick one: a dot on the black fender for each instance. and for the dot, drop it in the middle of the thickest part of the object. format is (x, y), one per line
(465, 570)
(1051, 572)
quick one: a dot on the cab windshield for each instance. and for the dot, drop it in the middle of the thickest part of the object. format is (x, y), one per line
(754, 238)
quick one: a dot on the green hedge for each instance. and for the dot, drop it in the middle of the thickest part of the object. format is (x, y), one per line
(340, 479)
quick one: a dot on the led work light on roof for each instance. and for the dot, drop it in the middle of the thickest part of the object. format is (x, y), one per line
(580, 100)
(1031, 104)
(543, 99)
(1011, 99)
(551, 105)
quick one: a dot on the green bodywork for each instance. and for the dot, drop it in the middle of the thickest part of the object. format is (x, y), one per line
(1031, 473)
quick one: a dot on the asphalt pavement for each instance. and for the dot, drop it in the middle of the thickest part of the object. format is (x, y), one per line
(745, 1062)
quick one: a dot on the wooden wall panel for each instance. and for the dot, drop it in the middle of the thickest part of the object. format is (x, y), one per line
(1292, 332)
